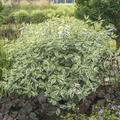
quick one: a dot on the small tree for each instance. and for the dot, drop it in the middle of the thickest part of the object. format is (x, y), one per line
(108, 10)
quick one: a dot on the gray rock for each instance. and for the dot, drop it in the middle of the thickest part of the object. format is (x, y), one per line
(87, 103)
(14, 114)
(10, 118)
(80, 108)
(28, 107)
(110, 90)
(21, 103)
(22, 111)
(107, 97)
(41, 98)
(93, 109)
(5, 116)
(22, 116)
(101, 102)
(48, 109)
(32, 116)
(91, 97)
(101, 94)
(1, 116)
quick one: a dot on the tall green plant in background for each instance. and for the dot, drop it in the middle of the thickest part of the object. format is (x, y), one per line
(107, 10)
(21, 16)
(1, 6)
(2, 59)
(3, 65)
(1, 17)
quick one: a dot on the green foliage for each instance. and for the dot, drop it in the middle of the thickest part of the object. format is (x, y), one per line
(6, 14)
(33, 13)
(50, 13)
(11, 19)
(3, 60)
(38, 16)
(59, 13)
(62, 57)
(1, 16)
(1, 19)
(21, 16)
(1, 6)
(36, 7)
(70, 116)
(2, 57)
(3, 65)
(73, 117)
(111, 114)
(108, 10)
(64, 11)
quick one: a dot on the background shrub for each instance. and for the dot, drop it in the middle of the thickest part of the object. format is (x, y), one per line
(38, 13)
(50, 13)
(36, 7)
(1, 6)
(38, 16)
(64, 11)
(106, 10)
(6, 14)
(11, 19)
(21, 16)
(59, 13)
(60, 58)
(2, 19)
(69, 10)
(1, 16)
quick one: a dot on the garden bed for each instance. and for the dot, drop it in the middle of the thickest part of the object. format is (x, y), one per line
(38, 108)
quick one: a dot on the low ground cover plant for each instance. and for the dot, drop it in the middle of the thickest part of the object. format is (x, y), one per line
(71, 116)
(111, 112)
(62, 58)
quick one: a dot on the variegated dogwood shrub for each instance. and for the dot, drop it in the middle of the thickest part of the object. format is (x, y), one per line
(62, 57)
